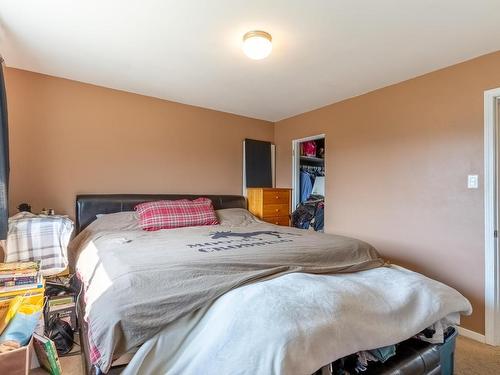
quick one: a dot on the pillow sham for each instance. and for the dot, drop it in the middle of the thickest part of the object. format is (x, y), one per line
(176, 214)
(235, 217)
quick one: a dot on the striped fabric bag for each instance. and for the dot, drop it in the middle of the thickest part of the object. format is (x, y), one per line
(39, 238)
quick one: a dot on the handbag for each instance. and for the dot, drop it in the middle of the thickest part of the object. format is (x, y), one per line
(60, 332)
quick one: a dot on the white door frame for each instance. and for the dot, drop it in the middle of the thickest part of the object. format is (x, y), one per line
(492, 256)
(295, 166)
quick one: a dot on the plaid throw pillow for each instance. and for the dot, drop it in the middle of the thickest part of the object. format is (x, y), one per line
(175, 214)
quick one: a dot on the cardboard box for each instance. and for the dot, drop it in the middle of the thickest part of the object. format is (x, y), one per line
(18, 361)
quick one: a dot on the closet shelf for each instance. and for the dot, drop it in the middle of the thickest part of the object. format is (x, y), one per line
(312, 159)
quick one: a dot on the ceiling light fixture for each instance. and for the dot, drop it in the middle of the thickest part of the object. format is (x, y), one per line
(257, 44)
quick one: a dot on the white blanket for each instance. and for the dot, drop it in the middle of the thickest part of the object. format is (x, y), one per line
(297, 323)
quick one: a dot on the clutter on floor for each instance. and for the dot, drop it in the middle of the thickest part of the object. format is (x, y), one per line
(35, 312)
(419, 354)
(310, 214)
(21, 303)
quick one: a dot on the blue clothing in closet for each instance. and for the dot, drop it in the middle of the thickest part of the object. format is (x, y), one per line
(306, 186)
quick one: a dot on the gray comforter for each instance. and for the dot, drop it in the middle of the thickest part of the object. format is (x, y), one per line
(138, 282)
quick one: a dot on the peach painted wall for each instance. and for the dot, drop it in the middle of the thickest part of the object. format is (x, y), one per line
(397, 161)
(68, 137)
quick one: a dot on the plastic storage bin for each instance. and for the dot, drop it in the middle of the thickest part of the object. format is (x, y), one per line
(447, 352)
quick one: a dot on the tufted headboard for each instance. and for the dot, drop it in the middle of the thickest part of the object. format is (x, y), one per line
(90, 205)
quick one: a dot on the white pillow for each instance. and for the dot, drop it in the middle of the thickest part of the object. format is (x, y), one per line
(126, 220)
(235, 217)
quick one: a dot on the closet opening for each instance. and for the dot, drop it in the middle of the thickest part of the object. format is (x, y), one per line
(308, 182)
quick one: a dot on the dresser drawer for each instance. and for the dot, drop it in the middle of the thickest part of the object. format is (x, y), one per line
(270, 204)
(273, 210)
(276, 197)
(280, 220)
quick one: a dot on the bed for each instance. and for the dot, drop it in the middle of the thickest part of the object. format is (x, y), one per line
(242, 297)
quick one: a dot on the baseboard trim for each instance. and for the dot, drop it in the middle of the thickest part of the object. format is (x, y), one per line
(471, 335)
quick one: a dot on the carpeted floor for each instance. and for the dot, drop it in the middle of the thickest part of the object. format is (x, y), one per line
(474, 358)
(471, 358)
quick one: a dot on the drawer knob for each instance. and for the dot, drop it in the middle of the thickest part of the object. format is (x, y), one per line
(277, 222)
(277, 197)
(277, 210)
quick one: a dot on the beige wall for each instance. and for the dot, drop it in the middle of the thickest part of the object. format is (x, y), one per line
(68, 137)
(397, 161)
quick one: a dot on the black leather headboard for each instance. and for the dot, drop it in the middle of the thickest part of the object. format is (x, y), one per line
(90, 205)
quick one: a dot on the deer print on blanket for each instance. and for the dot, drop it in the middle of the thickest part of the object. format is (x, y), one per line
(229, 240)
(245, 235)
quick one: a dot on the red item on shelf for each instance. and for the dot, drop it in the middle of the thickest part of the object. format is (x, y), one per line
(309, 148)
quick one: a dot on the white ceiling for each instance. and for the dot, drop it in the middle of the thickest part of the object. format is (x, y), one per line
(189, 51)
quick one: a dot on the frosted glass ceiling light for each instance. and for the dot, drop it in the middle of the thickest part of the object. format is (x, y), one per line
(257, 44)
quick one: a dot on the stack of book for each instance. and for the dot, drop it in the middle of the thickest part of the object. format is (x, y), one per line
(19, 278)
(22, 278)
(64, 308)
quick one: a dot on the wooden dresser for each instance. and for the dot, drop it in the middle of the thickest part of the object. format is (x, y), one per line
(270, 204)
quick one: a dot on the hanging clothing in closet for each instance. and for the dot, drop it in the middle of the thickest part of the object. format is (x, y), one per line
(306, 186)
(312, 181)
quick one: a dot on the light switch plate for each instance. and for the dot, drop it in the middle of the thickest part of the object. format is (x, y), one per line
(472, 181)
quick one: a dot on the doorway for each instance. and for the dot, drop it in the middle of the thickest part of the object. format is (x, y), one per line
(309, 176)
(492, 209)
